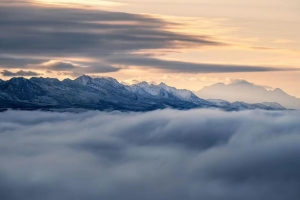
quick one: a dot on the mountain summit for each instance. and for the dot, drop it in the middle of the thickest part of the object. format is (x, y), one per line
(248, 92)
(106, 93)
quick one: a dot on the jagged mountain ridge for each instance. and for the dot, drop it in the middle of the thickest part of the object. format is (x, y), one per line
(105, 94)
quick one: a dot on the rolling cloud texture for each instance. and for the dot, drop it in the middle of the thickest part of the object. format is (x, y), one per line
(165, 154)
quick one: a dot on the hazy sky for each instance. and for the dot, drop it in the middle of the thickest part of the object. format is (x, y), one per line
(187, 44)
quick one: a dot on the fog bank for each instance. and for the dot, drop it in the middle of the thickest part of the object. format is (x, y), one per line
(162, 155)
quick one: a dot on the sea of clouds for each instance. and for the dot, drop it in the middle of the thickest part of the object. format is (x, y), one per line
(159, 155)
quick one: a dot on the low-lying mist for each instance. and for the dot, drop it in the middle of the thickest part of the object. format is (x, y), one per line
(161, 155)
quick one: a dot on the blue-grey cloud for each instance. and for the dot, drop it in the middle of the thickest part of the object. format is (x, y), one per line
(55, 31)
(189, 67)
(19, 73)
(167, 154)
(55, 65)
(74, 68)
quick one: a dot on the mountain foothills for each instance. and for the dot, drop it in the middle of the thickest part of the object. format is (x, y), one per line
(106, 94)
(248, 92)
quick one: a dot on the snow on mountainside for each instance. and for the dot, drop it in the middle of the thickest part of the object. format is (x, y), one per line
(239, 105)
(182, 94)
(249, 93)
(219, 102)
(83, 80)
(273, 105)
(162, 90)
(106, 93)
(145, 88)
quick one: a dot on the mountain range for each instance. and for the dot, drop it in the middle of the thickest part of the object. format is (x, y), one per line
(106, 93)
(249, 93)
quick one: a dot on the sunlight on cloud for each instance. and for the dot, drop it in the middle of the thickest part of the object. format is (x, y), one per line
(74, 3)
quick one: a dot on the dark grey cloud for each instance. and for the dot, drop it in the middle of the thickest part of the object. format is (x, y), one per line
(167, 154)
(73, 68)
(189, 67)
(55, 65)
(61, 66)
(54, 31)
(19, 73)
(10, 62)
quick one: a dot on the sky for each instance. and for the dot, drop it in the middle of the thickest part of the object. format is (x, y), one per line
(187, 44)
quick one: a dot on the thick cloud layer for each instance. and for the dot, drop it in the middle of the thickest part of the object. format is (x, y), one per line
(196, 154)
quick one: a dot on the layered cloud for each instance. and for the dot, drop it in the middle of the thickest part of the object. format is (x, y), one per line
(44, 33)
(167, 154)
(56, 65)
(189, 67)
(97, 41)
(86, 32)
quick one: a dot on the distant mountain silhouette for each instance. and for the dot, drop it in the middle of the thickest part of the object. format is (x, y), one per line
(249, 93)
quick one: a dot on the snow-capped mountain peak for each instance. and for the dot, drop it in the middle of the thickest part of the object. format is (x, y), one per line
(249, 93)
(180, 93)
(143, 84)
(274, 105)
(162, 84)
(145, 88)
(83, 80)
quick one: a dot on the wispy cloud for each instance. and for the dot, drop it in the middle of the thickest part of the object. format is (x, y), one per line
(189, 67)
(54, 31)
(56, 65)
